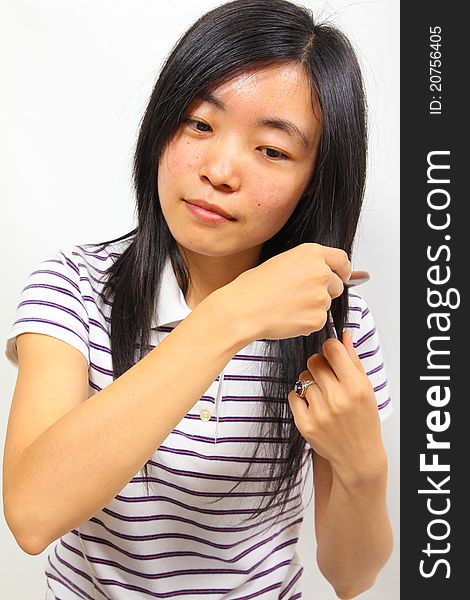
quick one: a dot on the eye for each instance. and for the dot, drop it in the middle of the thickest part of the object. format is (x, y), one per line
(198, 125)
(275, 154)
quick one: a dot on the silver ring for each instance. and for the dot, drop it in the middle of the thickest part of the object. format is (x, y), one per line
(301, 385)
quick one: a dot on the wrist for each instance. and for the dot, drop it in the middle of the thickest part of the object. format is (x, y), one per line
(370, 472)
(226, 316)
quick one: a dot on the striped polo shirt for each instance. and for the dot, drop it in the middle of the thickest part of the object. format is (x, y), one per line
(179, 542)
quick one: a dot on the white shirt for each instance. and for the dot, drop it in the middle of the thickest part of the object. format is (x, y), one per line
(176, 544)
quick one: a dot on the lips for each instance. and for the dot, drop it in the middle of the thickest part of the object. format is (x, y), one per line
(212, 207)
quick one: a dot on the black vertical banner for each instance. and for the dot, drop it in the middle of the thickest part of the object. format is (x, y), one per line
(435, 241)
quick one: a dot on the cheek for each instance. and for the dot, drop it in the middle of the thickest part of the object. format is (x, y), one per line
(277, 202)
(180, 158)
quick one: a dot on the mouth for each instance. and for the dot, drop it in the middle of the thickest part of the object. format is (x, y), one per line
(210, 213)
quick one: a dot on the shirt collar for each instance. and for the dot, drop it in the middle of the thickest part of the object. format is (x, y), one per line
(171, 305)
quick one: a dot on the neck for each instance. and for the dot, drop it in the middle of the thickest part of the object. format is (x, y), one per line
(209, 273)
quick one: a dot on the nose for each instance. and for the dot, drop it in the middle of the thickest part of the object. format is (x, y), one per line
(220, 167)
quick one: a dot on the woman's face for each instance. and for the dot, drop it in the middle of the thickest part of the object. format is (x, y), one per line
(249, 148)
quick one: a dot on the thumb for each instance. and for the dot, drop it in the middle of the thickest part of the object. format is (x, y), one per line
(348, 344)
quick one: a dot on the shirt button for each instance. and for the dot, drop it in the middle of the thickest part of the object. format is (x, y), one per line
(205, 415)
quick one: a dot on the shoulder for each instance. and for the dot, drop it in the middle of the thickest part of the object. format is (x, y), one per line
(96, 257)
(61, 296)
(360, 320)
(368, 346)
(358, 309)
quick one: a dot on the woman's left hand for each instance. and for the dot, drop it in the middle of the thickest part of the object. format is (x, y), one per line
(339, 416)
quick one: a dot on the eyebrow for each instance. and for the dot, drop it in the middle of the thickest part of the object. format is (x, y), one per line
(273, 123)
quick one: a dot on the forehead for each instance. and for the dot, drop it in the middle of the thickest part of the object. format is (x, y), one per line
(283, 90)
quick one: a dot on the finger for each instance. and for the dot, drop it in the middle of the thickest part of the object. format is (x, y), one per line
(311, 389)
(322, 373)
(314, 400)
(338, 262)
(335, 286)
(299, 407)
(311, 403)
(339, 359)
(349, 346)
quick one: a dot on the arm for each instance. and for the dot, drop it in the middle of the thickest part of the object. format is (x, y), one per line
(354, 535)
(340, 420)
(70, 472)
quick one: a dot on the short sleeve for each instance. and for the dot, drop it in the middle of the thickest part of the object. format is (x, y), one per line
(51, 303)
(367, 345)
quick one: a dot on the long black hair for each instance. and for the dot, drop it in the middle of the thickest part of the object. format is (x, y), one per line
(231, 39)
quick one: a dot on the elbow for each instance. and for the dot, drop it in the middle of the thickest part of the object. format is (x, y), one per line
(350, 594)
(31, 547)
(28, 543)
(22, 530)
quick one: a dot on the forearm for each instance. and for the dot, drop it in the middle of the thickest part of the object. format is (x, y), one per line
(355, 540)
(85, 458)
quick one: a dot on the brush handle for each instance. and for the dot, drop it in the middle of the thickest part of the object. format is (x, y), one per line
(357, 278)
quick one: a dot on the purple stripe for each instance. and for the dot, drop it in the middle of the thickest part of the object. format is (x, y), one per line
(185, 536)
(284, 563)
(89, 278)
(87, 265)
(291, 583)
(94, 386)
(384, 404)
(256, 399)
(102, 370)
(179, 554)
(172, 594)
(48, 286)
(187, 571)
(296, 596)
(365, 337)
(100, 248)
(257, 593)
(369, 353)
(100, 347)
(98, 325)
(96, 254)
(355, 309)
(51, 286)
(71, 264)
(205, 494)
(95, 306)
(57, 274)
(196, 417)
(76, 571)
(30, 320)
(220, 440)
(208, 476)
(365, 312)
(49, 587)
(255, 358)
(50, 575)
(376, 370)
(205, 527)
(377, 388)
(207, 511)
(53, 305)
(234, 459)
(251, 378)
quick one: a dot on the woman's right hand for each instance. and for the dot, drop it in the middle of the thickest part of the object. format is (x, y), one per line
(289, 294)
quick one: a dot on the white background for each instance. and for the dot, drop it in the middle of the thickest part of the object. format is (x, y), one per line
(76, 77)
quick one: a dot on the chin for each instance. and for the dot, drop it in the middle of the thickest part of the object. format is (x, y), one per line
(214, 250)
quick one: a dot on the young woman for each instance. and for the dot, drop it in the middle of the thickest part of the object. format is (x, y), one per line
(154, 431)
